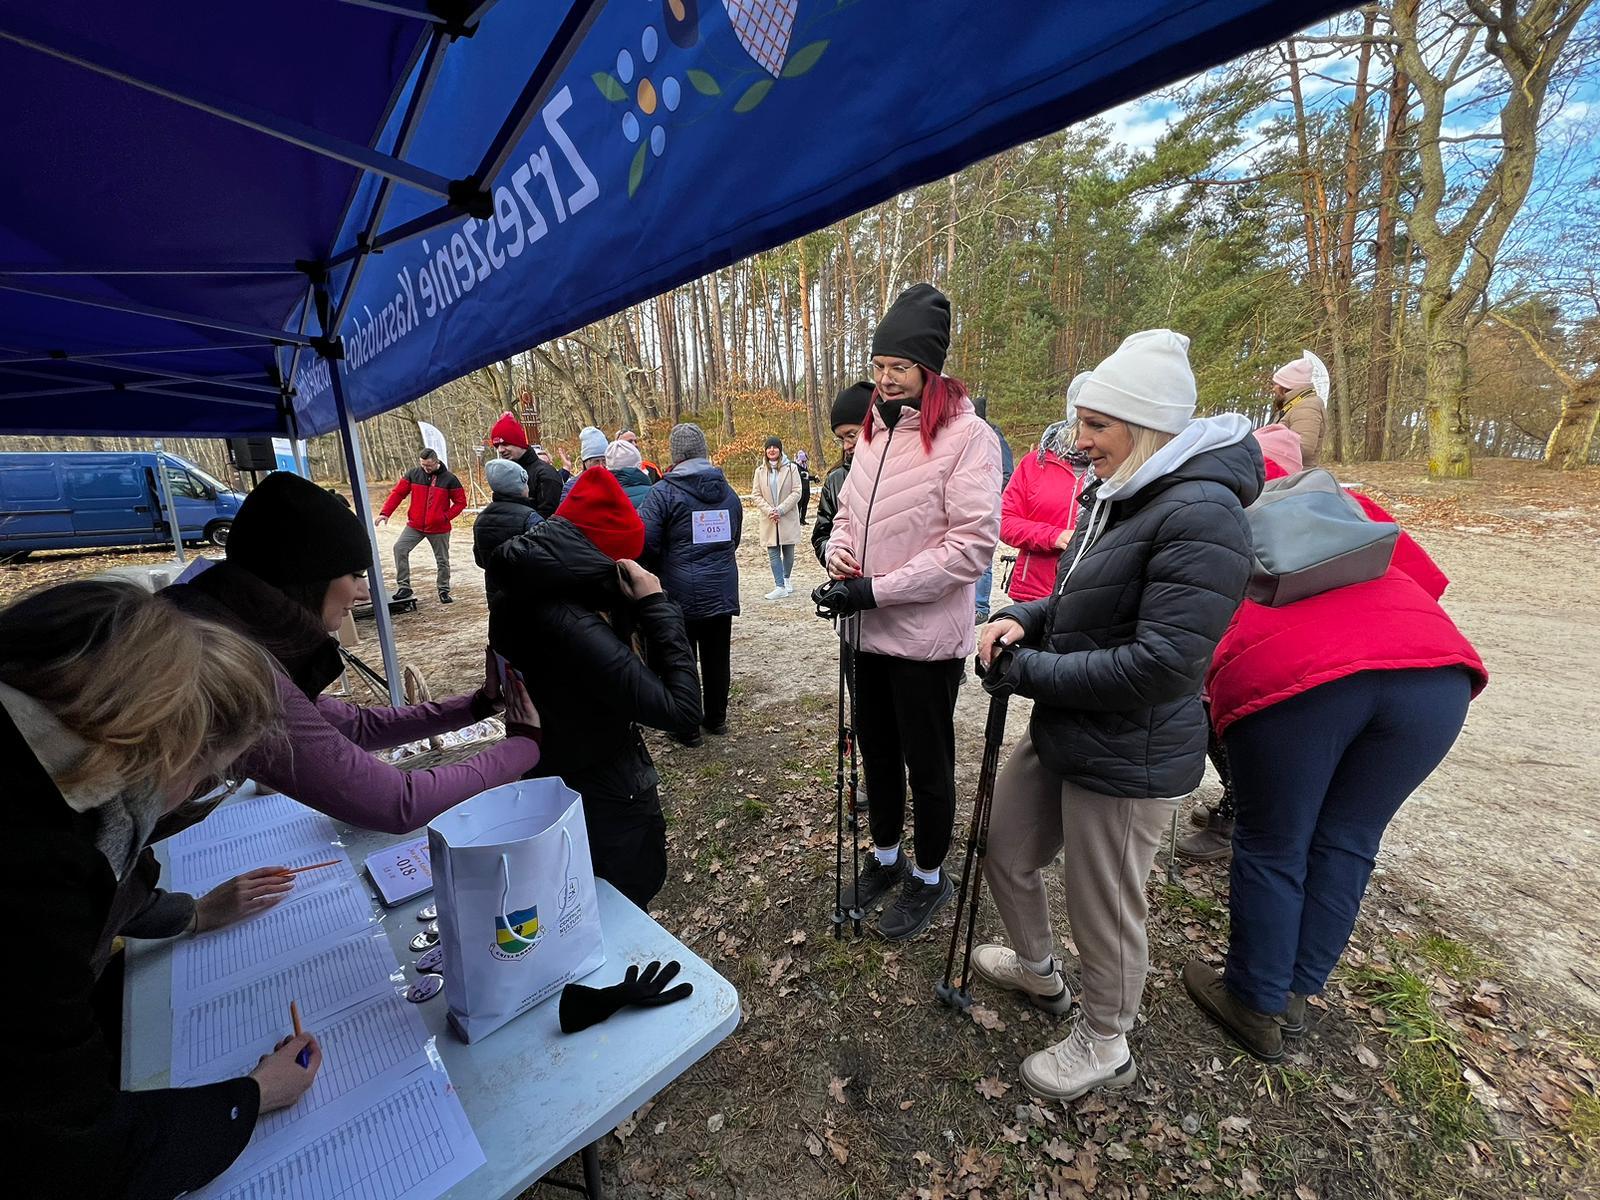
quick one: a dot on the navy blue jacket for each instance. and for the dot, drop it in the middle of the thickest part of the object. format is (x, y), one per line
(702, 577)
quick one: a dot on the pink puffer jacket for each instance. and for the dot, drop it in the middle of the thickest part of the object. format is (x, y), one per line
(931, 531)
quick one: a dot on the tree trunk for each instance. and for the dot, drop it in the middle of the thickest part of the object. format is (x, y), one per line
(1570, 440)
(1384, 282)
(1445, 396)
(1344, 258)
(808, 352)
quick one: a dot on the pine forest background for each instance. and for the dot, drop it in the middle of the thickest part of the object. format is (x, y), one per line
(1409, 190)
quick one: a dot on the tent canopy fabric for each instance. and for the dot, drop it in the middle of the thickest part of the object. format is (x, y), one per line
(188, 198)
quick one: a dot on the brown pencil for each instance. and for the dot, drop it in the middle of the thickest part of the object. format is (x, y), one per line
(332, 862)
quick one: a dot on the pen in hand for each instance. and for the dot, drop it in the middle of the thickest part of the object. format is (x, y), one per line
(304, 1057)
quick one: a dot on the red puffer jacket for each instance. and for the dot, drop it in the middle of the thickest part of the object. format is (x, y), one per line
(1390, 623)
(436, 499)
(1039, 503)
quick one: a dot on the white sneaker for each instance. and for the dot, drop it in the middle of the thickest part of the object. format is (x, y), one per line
(1079, 1064)
(788, 589)
(777, 593)
(1001, 967)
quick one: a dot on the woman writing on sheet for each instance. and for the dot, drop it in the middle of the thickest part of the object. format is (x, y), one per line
(114, 709)
(297, 563)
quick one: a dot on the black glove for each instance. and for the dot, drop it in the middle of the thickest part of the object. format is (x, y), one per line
(841, 597)
(582, 1006)
(1000, 677)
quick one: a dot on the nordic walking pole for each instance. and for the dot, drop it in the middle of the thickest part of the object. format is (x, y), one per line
(854, 810)
(838, 804)
(994, 733)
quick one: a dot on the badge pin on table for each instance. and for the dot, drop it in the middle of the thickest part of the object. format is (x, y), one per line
(425, 988)
(424, 941)
(428, 912)
(432, 963)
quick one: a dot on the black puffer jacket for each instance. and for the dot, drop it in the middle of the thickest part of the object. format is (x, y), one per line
(503, 518)
(548, 589)
(1115, 658)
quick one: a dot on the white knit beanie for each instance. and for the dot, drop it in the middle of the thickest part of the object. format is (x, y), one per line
(620, 455)
(1145, 381)
(591, 443)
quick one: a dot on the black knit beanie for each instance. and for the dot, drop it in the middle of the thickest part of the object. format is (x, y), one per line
(917, 326)
(772, 441)
(850, 405)
(289, 531)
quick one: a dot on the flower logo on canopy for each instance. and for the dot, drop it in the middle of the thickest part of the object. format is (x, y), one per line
(649, 91)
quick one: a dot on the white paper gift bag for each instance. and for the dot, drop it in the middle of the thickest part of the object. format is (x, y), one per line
(518, 916)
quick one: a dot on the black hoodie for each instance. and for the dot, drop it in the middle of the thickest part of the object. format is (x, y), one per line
(702, 577)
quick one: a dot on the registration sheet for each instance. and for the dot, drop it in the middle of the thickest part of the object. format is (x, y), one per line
(386, 1141)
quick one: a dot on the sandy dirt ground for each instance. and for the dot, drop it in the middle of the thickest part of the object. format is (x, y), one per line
(1503, 841)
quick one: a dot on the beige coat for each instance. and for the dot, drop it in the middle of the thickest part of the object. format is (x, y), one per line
(786, 530)
(1306, 415)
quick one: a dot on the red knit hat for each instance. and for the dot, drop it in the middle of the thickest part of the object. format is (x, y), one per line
(508, 430)
(601, 509)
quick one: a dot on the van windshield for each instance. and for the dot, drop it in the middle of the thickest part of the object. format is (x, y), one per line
(213, 483)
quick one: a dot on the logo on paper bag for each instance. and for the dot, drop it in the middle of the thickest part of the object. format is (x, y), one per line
(516, 933)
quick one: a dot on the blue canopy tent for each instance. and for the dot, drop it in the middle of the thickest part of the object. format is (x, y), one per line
(249, 219)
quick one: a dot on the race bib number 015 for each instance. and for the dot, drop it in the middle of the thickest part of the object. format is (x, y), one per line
(712, 525)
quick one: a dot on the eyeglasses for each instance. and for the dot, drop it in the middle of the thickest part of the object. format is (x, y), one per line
(848, 439)
(897, 371)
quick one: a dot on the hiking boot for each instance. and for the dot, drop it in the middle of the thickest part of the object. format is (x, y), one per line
(1258, 1033)
(875, 883)
(691, 739)
(1200, 814)
(402, 593)
(1292, 1020)
(445, 597)
(1079, 1064)
(1211, 844)
(913, 911)
(1001, 967)
(720, 728)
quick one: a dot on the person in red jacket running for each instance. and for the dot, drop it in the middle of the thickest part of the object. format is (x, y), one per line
(1332, 711)
(437, 499)
(1039, 509)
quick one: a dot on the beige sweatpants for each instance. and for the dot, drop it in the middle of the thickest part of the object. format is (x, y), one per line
(1110, 845)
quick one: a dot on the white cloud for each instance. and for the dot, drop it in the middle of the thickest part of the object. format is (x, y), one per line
(1139, 124)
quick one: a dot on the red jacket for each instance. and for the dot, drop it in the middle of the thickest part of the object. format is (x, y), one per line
(1390, 623)
(1039, 503)
(436, 499)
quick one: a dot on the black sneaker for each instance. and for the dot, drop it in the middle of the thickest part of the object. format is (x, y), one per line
(720, 728)
(690, 739)
(876, 882)
(444, 596)
(913, 912)
(403, 593)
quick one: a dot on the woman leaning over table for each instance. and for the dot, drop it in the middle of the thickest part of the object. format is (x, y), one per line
(114, 709)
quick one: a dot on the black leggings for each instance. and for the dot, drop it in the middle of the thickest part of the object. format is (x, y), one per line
(905, 721)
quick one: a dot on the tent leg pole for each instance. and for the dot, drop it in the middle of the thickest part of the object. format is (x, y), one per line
(168, 503)
(351, 440)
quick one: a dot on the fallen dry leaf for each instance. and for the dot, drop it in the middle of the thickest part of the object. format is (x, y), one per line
(797, 937)
(905, 1105)
(1306, 1192)
(836, 1087)
(987, 1018)
(1058, 1150)
(992, 1087)
(715, 1122)
(1250, 1183)
(1365, 1056)
(837, 1146)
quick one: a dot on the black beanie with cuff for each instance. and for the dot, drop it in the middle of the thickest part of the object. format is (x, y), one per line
(290, 531)
(917, 326)
(850, 406)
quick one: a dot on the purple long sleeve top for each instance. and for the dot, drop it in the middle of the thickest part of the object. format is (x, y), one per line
(321, 759)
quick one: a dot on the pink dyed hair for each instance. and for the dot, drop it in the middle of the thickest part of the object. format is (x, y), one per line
(940, 395)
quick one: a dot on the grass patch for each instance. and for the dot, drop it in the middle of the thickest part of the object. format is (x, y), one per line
(1454, 958)
(1424, 1069)
(1178, 896)
(752, 808)
(1584, 1122)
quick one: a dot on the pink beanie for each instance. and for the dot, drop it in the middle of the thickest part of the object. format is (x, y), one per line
(1293, 376)
(1280, 445)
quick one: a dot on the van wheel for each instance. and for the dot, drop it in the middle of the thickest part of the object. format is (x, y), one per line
(217, 532)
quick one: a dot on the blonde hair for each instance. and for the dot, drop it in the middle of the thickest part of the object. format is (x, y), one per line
(154, 692)
(1146, 442)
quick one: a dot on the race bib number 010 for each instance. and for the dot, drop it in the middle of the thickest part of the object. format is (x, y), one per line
(712, 525)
